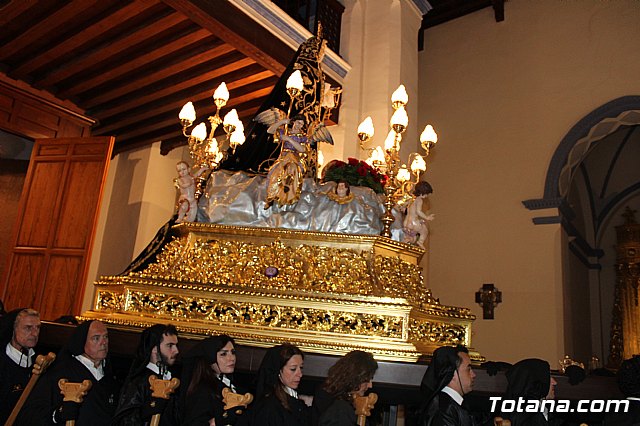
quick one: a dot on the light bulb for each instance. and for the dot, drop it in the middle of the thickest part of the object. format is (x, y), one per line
(366, 128)
(390, 141)
(199, 132)
(295, 81)
(400, 96)
(418, 164)
(400, 119)
(231, 118)
(428, 135)
(188, 112)
(403, 174)
(221, 92)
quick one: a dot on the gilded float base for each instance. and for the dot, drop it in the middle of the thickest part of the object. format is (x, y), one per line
(327, 293)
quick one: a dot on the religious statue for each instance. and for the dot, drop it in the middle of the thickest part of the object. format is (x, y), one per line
(415, 222)
(186, 183)
(285, 176)
(284, 179)
(342, 193)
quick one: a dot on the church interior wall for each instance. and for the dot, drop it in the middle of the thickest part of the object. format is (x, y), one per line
(139, 198)
(502, 96)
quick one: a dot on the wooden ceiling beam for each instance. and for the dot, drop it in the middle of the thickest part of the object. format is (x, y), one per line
(239, 30)
(142, 81)
(166, 114)
(202, 100)
(104, 55)
(10, 11)
(79, 39)
(185, 85)
(119, 71)
(52, 23)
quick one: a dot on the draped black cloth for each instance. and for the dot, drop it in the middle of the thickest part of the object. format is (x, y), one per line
(259, 151)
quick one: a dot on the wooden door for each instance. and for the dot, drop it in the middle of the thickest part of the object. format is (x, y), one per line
(47, 266)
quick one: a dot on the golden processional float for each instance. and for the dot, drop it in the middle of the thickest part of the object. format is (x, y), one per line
(329, 264)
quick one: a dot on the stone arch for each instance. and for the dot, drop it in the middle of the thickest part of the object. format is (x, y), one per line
(590, 129)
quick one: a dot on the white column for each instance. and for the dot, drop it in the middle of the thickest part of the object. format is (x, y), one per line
(380, 41)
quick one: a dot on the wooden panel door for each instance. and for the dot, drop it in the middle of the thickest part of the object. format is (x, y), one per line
(47, 266)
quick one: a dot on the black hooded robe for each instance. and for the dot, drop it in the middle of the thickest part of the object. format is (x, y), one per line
(205, 402)
(13, 378)
(135, 397)
(270, 412)
(528, 379)
(99, 404)
(444, 411)
(135, 393)
(268, 409)
(439, 409)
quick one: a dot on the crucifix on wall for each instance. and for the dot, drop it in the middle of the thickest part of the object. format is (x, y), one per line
(488, 297)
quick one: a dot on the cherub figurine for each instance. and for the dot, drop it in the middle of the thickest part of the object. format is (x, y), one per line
(186, 183)
(415, 222)
(342, 193)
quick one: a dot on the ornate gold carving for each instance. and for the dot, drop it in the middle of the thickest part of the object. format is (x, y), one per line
(328, 293)
(108, 301)
(625, 325)
(265, 315)
(440, 333)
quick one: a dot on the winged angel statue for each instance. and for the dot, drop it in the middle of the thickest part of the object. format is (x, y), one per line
(298, 131)
(297, 154)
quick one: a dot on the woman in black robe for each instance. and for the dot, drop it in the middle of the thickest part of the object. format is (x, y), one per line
(208, 369)
(277, 399)
(350, 376)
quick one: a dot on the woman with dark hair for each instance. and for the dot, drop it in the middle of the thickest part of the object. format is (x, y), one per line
(350, 376)
(278, 402)
(208, 369)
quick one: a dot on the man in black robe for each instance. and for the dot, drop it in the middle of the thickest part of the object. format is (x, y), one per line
(447, 380)
(156, 353)
(19, 334)
(83, 358)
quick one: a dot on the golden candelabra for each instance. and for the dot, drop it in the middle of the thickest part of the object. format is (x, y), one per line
(205, 149)
(400, 179)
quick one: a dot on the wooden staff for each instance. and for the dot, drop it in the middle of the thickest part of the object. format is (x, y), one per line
(161, 389)
(364, 405)
(73, 392)
(39, 367)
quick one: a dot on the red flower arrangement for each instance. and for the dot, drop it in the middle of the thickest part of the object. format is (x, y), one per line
(356, 173)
